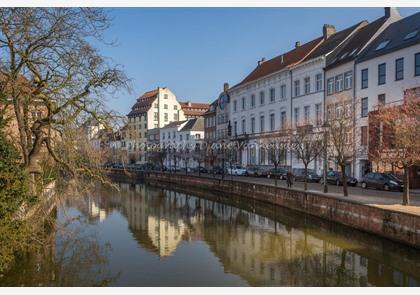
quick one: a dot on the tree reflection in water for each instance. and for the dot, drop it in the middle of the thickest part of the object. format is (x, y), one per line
(262, 245)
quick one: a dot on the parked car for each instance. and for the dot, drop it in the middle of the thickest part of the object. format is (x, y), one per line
(335, 177)
(299, 174)
(216, 170)
(236, 170)
(279, 173)
(382, 181)
(256, 171)
(202, 170)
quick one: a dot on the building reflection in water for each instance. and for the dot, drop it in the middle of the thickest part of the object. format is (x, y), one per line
(262, 251)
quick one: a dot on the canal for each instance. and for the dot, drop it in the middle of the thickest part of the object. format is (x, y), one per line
(147, 236)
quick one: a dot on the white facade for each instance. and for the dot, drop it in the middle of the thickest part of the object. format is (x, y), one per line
(392, 91)
(307, 104)
(258, 107)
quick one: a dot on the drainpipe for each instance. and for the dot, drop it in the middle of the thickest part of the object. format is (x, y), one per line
(291, 111)
(354, 119)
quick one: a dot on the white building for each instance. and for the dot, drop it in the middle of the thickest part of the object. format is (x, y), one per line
(260, 103)
(388, 67)
(340, 73)
(182, 140)
(154, 109)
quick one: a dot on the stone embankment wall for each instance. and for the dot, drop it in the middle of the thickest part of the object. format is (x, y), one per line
(397, 226)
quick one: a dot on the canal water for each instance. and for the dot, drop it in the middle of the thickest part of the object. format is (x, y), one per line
(146, 236)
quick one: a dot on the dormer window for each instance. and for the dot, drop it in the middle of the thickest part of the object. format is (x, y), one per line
(382, 45)
(411, 35)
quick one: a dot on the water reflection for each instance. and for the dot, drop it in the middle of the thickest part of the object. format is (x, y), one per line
(206, 239)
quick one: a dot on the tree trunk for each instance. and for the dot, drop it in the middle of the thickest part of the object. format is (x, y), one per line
(406, 191)
(306, 177)
(275, 177)
(344, 180)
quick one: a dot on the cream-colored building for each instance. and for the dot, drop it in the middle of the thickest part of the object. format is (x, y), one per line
(154, 109)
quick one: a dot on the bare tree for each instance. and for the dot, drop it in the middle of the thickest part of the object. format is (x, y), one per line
(46, 57)
(341, 138)
(394, 133)
(277, 147)
(307, 145)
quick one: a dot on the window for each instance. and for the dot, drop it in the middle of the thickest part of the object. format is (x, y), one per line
(330, 113)
(381, 99)
(417, 64)
(262, 121)
(306, 110)
(364, 134)
(169, 135)
(318, 118)
(411, 35)
(283, 91)
(364, 78)
(156, 125)
(243, 126)
(156, 105)
(252, 125)
(155, 116)
(235, 105)
(243, 103)
(145, 125)
(235, 128)
(165, 96)
(165, 116)
(180, 137)
(307, 85)
(330, 86)
(348, 80)
(175, 107)
(272, 122)
(318, 79)
(338, 110)
(347, 109)
(339, 83)
(399, 69)
(165, 106)
(272, 95)
(381, 73)
(198, 136)
(163, 135)
(283, 120)
(252, 100)
(382, 45)
(297, 88)
(262, 97)
(176, 117)
(296, 116)
(364, 110)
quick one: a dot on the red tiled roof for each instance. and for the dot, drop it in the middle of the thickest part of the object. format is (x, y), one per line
(275, 64)
(194, 105)
(193, 113)
(143, 103)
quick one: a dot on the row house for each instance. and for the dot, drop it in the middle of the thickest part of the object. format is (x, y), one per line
(154, 109)
(260, 103)
(386, 70)
(193, 110)
(210, 133)
(182, 141)
(342, 77)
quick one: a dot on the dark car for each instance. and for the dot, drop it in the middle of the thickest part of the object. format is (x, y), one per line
(256, 171)
(279, 173)
(299, 174)
(381, 181)
(335, 177)
(196, 169)
(216, 170)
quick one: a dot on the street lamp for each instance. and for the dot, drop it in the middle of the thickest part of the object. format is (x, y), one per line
(325, 127)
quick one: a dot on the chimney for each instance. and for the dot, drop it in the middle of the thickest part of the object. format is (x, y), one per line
(281, 58)
(297, 44)
(392, 12)
(328, 30)
(261, 61)
(225, 87)
(189, 103)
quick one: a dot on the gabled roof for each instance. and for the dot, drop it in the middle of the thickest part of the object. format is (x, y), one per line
(333, 42)
(196, 124)
(282, 61)
(352, 47)
(143, 103)
(174, 124)
(396, 33)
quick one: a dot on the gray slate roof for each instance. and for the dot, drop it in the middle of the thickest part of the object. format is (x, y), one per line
(396, 34)
(196, 124)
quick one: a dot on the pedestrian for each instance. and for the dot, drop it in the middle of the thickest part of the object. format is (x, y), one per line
(289, 179)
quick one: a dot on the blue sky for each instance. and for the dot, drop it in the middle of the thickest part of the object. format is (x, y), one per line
(193, 51)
